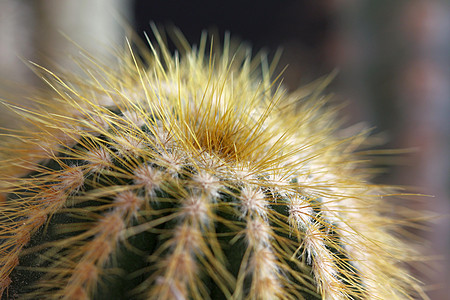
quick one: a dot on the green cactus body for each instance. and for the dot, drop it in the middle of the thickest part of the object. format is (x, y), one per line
(191, 178)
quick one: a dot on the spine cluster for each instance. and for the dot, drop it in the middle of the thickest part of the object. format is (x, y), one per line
(191, 178)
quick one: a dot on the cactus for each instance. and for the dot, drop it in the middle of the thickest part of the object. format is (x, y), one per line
(192, 176)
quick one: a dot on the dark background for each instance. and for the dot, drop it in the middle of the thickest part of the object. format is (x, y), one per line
(301, 27)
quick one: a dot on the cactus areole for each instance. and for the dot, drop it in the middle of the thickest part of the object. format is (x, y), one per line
(191, 176)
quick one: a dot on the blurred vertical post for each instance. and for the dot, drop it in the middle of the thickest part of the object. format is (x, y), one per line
(395, 59)
(424, 98)
(34, 30)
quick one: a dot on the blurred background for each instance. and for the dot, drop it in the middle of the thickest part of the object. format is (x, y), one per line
(393, 59)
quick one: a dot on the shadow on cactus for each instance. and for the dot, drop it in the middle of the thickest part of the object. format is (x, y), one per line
(191, 176)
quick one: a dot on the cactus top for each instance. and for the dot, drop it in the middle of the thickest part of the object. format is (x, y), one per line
(192, 176)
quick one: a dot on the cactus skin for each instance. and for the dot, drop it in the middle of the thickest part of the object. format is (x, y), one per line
(192, 178)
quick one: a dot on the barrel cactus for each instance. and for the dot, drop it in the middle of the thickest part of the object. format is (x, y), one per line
(192, 176)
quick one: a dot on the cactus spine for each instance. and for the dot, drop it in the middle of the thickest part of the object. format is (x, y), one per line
(191, 177)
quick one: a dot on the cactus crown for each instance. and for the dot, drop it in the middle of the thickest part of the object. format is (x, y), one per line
(192, 177)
